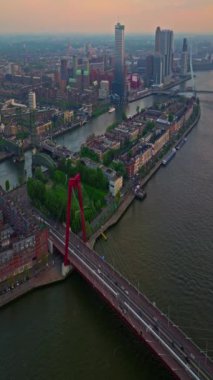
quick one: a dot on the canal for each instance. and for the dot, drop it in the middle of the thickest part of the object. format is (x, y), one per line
(163, 245)
(16, 172)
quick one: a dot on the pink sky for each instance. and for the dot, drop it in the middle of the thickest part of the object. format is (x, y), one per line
(99, 16)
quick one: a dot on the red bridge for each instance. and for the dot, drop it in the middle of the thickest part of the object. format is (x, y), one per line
(180, 355)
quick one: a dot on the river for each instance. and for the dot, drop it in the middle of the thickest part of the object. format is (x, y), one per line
(16, 172)
(163, 245)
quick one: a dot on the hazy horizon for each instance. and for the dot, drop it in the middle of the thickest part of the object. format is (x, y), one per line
(99, 17)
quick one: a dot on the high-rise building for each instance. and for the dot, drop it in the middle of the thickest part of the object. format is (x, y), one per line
(63, 69)
(149, 69)
(74, 65)
(184, 58)
(158, 66)
(157, 40)
(104, 89)
(32, 100)
(119, 64)
(164, 46)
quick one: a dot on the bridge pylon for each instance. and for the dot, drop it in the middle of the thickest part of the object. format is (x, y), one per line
(73, 183)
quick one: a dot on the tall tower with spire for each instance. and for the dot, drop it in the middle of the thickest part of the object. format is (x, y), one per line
(119, 65)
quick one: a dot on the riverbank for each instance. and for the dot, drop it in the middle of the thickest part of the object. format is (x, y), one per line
(129, 198)
(49, 276)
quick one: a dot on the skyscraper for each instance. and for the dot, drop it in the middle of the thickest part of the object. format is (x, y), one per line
(157, 40)
(164, 46)
(63, 69)
(184, 58)
(158, 65)
(119, 69)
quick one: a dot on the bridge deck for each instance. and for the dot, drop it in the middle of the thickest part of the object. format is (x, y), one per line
(170, 344)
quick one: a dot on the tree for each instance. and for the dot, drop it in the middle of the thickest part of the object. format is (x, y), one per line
(86, 152)
(7, 185)
(108, 157)
(36, 190)
(119, 168)
(118, 197)
(59, 177)
(38, 174)
(170, 117)
(138, 109)
(150, 125)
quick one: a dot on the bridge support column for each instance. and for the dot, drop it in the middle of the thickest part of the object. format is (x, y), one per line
(66, 269)
(50, 246)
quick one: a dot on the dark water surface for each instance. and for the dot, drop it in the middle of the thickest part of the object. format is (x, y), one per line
(164, 245)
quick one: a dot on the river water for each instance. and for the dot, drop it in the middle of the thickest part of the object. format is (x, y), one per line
(164, 245)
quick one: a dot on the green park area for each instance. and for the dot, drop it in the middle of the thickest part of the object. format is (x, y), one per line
(49, 192)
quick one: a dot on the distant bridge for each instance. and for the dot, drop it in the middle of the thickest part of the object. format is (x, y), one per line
(198, 91)
(42, 159)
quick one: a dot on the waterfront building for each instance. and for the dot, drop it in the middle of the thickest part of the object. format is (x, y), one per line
(119, 64)
(164, 46)
(159, 140)
(184, 58)
(32, 100)
(23, 241)
(42, 129)
(115, 181)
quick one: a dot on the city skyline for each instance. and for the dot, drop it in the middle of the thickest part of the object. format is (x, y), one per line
(139, 16)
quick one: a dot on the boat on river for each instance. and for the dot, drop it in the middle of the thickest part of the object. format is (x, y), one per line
(169, 157)
(181, 143)
(140, 193)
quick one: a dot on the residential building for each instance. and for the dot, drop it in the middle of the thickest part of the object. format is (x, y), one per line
(159, 140)
(23, 242)
(104, 89)
(32, 100)
(115, 181)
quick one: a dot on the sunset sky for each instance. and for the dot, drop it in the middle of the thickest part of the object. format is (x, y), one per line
(99, 16)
